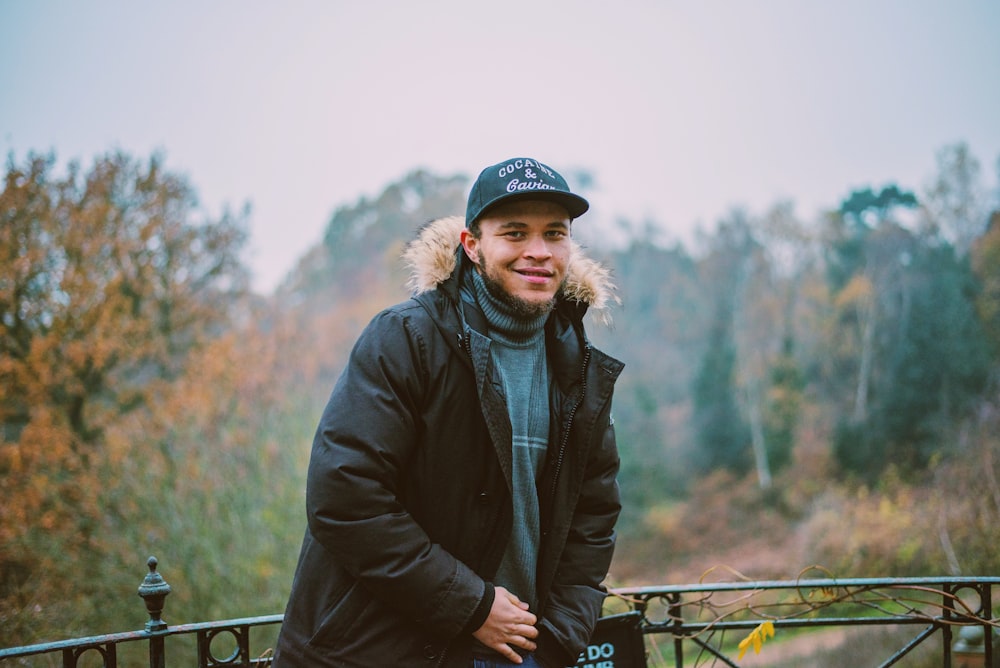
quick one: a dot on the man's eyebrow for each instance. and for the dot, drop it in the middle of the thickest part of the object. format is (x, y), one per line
(509, 224)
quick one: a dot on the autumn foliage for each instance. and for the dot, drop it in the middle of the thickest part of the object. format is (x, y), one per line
(113, 297)
(797, 392)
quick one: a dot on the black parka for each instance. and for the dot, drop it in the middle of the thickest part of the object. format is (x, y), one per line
(408, 491)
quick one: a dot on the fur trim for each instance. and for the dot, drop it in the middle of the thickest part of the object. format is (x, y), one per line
(430, 259)
(431, 256)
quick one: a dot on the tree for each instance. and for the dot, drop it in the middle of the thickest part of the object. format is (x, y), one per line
(784, 406)
(866, 259)
(955, 202)
(864, 267)
(986, 264)
(108, 282)
(721, 434)
(938, 364)
(791, 253)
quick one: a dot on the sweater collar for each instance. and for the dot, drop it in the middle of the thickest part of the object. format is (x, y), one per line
(503, 322)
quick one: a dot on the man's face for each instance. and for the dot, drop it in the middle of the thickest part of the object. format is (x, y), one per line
(522, 253)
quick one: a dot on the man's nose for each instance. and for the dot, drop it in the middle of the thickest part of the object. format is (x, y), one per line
(537, 247)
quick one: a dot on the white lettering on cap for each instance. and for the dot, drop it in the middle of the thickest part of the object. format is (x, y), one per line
(527, 166)
(516, 184)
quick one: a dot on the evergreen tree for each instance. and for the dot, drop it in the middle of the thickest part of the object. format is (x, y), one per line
(940, 360)
(721, 435)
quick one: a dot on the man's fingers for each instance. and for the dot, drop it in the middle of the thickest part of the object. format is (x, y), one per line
(525, 617)
(512, 597)
(510, 654)
(523, 643)
(510, 625)
(524, 630)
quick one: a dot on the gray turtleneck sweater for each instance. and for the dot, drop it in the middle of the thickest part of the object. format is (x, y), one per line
(518, 353)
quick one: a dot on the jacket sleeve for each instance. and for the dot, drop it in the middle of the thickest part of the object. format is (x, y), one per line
(360, 450)
(577, 594)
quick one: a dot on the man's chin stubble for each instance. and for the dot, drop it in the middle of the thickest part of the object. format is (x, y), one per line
(521, 308)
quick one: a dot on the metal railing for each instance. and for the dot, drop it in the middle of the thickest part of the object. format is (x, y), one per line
(705, 623)
(219, 643)
(710, 623)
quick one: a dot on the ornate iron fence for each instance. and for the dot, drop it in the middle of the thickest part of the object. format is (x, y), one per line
(709, 623)
(705, 624)
(230, 637)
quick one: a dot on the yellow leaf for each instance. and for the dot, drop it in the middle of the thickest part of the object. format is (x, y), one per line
(743, 646)
(756, 638)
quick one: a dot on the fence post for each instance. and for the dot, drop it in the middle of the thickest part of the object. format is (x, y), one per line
(153, 591)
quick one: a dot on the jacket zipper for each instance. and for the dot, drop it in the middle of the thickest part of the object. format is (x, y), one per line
(569, 423)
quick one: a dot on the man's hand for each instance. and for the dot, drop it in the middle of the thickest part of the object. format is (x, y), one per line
(509, 625)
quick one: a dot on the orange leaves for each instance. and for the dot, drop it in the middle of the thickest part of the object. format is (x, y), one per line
(109, 289)
(109, 284)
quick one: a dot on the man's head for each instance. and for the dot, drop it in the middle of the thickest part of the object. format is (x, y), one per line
(518, 232)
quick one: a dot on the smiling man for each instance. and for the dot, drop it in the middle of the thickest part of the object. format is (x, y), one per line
(462, 495)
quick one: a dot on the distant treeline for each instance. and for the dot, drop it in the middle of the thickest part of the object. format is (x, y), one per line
(150, 403)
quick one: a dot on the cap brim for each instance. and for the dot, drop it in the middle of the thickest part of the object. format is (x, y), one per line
(575, 205)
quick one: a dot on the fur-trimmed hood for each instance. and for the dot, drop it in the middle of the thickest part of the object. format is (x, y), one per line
(432, 256)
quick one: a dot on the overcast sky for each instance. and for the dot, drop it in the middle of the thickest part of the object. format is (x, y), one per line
(682, 110)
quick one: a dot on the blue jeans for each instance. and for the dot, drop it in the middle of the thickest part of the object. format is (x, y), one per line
(529, 662)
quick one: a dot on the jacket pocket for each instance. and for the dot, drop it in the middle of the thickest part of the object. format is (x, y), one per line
(336, 624)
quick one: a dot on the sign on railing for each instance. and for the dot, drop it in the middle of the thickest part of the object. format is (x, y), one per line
(616, 643)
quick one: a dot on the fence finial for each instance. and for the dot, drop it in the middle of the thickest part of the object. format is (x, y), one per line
(153, 591)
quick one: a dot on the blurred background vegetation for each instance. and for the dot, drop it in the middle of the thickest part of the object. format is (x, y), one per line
(797, 392)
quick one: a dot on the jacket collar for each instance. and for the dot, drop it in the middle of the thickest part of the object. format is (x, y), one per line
(435, 260)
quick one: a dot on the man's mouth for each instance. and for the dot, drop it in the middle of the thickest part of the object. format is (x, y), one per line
(535, 275)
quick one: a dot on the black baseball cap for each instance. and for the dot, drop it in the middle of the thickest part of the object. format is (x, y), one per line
(521, 178)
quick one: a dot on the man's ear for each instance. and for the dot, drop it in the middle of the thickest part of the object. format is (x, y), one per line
(471, 245)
